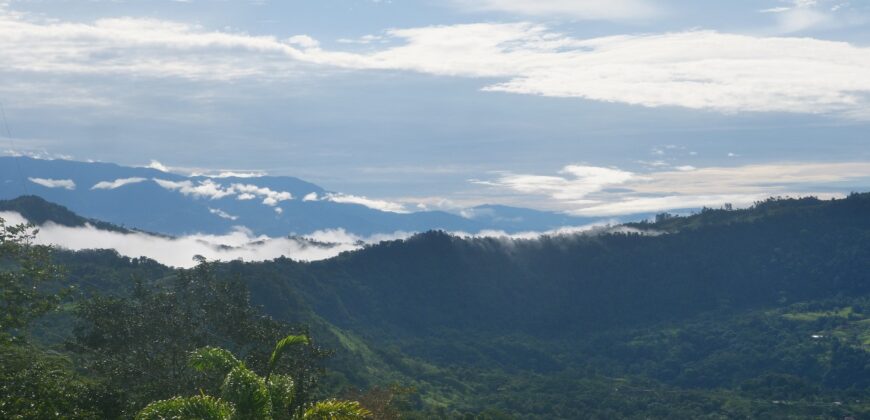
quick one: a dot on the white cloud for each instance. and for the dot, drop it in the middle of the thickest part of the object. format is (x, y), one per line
(801, 19)
(39, 154)
(681, 187)
(270, 197)
(179, 252)
(158, 166)
(303, 41)
(240, 243)
(54, 183)
(234, 174)
(436, 203)
(312, 196)
(210, 189)
(695, 69)
(203, 189)
(775, 9)
(381, 205)
(580, 182)
(592, 228)
(657, 204)
(766, 179)
(222, 214)
(806, 15)
(365, 39)
(574, 9)
(111, 185)
(135, 46)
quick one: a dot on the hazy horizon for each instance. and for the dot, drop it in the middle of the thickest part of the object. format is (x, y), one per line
(579, 107)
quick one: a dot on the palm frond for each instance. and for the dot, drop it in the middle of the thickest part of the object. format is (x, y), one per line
(282, 346)
(336, 410)
(213, 360)
(199, 407)
(248, 393)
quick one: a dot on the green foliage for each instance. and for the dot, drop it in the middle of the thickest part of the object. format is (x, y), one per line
(28, 280)
(140, 343)
(213, 360)
(253, 397)
(700, 322)
(786, 251)
(35, 385)
(198, 407)
(336, 410)
(282, 389)
(283, 345)
(248, 393)
(392, 402)
(755, 364)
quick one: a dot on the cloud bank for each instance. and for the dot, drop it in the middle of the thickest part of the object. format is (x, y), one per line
(695, 69)
(179, 252)
(238, 244)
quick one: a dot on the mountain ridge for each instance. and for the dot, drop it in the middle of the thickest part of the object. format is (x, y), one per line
(173, 204)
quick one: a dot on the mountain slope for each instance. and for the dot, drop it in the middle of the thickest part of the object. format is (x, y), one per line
(739, 314)
(781, 251)
(39, 211)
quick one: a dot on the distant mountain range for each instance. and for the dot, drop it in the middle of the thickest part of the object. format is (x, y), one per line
(168, 203)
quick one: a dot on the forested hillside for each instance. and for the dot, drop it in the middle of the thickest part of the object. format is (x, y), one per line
(778, 252)
(754, 313)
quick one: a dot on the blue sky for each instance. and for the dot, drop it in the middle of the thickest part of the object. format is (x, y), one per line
(587, 107)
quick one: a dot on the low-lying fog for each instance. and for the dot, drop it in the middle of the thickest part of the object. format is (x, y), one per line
(238, 244)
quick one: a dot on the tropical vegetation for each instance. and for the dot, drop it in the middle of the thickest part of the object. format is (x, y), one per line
(752, 313)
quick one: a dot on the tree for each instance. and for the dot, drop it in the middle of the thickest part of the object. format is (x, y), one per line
(140, 343)
(29, 281)
(246, 395)
(33, 383)
(39, 385)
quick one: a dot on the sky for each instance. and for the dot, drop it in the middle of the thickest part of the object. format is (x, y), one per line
(585, 107)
